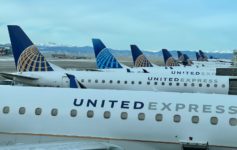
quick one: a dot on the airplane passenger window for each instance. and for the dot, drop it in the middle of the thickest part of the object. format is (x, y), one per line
(6, 109)
(155, 83)
(132, 82)
(215, 85)
(22, 110)
(208, 85)
(200, 84)
(233, 121)
(118, 81)
(177, 84)
(140, 82)
(107, 114)
(54, 112)
(214, 120)
(82, 80)
(96, 81)
(192, 84)
(110, 81)
(89, 80)
(90, 113)
(141, 116)
(177, 118)
(163, 83)
(38, 111)
(148, 83)
(125, 82)
(103, 81)
(124, 115)
(159, 117)
(170, 84)
(73, 113)
(185, 84)
(195, 119)
(223, 85)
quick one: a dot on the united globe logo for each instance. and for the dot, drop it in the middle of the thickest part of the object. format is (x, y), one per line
(106, 60)
(170, 62)
(141, 61)
(32, 60)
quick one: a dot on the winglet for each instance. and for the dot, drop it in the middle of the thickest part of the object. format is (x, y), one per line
(139, 58)
(104, 58)
(73, 81)
(26, 55)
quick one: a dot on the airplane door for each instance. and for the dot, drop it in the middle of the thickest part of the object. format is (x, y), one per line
(233, 86)
(65, 81)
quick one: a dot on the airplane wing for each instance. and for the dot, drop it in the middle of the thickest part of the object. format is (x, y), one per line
(11, 76)
(64, 146)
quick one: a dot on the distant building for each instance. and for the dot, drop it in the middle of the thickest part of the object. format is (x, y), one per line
(235, 57)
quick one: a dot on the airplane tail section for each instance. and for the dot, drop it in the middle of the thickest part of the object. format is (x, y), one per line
(104, 58)
(139, 58)
(199, 58)
(180, 56)
(26, 55)
(168, 59)
(187, 61)
(203, 56)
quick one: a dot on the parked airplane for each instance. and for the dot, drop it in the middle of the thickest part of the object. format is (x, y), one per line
(170, 61)
(58, 118)
(137, 54)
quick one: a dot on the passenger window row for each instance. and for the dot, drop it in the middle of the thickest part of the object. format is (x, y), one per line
(124, 115)
(156, 83)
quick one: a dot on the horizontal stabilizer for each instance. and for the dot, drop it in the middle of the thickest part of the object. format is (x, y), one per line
(12, 76)
(64, 145)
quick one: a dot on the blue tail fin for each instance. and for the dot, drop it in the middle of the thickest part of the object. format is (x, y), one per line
(199, 58)
(168, 59)
(187, 61)
(104, 58)
(203, 56)
(180, 56)
(26, 54)
(139, 58)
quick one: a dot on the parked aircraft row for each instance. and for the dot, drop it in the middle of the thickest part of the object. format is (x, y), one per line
(33, 69)
(135, 115)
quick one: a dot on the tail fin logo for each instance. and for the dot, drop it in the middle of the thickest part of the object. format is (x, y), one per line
(106, 60)
(141, 61)
(170, 62)
(32, 60)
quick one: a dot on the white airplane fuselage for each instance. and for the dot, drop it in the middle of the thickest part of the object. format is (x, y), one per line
(129, 119)
(132, 81)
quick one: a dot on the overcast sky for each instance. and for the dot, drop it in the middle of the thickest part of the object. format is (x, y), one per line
(151, 24)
